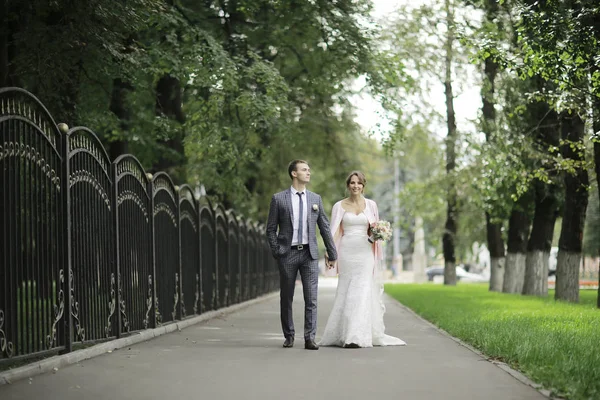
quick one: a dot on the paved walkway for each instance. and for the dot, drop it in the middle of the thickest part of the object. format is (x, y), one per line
(239, 356)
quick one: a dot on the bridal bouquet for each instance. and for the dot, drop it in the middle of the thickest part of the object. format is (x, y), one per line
(380, 230)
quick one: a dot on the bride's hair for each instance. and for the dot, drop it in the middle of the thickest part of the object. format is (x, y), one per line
(359, 175)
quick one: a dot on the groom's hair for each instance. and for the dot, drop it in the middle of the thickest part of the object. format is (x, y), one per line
(292, 166)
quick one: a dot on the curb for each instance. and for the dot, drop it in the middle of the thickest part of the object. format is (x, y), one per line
(53, 364)
(503, 366)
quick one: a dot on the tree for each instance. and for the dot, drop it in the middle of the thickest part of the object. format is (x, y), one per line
(558, 42)
(451, 210)
(546, 192)
(436, 56)
(571, 234)
(221, 94)
(495, 240)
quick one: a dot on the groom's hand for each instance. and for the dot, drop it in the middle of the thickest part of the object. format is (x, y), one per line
(330, 264)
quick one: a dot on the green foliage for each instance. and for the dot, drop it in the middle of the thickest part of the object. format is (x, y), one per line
(424, 183)
(255, 83)
(417, 36)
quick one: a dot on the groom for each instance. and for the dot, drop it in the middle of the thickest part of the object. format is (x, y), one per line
(296, 212)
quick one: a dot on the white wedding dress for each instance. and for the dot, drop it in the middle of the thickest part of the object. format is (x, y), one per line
(357, 314)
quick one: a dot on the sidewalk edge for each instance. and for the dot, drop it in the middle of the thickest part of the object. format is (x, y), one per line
(60, 361)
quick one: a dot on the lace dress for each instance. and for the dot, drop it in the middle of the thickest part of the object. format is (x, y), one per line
(357, 314)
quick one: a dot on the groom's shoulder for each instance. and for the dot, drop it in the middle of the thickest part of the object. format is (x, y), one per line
(281, 194)
(315, 194)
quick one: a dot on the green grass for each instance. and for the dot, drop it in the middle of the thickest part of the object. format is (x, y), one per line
(554, 343)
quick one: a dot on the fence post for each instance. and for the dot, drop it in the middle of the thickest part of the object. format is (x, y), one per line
(66, 245)
(116, 273)
(150, 190)
(199, 272)
(181, 308)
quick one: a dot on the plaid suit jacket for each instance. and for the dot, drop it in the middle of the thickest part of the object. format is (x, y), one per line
(280, 225)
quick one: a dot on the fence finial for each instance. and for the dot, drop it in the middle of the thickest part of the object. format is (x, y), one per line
(63, 128)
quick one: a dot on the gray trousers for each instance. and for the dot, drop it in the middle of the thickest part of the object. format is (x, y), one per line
(289, 265)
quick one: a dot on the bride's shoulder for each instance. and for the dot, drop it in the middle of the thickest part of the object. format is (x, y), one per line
(370, 201)
(338, 203)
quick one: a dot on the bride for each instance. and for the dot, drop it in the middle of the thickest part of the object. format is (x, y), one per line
(356, 319)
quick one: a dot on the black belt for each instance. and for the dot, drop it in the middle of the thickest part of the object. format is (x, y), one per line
(300, 247)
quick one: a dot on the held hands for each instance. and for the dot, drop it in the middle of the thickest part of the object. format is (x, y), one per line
(330, 264)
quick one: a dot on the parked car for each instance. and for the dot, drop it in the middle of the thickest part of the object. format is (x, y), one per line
(461, 274)
(433, 272)
(552, 261)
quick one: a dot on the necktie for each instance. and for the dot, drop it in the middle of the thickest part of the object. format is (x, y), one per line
(300, 217)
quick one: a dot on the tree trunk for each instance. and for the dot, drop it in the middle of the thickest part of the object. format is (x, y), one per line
(494, 228)
(518, 231)
(118, 105)
(169, 103)
(576, 199)
(596, 127)
(540, 240)
(497, 254)
(545, 121)
(450, 230)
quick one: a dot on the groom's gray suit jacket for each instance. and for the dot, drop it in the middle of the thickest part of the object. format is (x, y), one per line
(281, 216)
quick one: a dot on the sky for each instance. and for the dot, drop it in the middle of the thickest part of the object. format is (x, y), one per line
(370, 114)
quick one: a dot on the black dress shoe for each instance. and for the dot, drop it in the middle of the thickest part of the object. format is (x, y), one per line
(351, 346)
(310, 345)
(289, 342)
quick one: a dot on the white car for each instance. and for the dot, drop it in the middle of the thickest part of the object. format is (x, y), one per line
(436, 274)
(464, 276)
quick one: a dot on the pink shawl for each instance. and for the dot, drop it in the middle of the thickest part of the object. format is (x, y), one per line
(337, 230)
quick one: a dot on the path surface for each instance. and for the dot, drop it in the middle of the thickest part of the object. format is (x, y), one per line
(239, 356)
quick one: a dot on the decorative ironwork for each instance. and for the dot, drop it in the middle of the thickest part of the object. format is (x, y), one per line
(186, 194)
(132, 196)
(128, 166)
(167, 210)
(6, 347)
(79, 330)
(187, 216)
(162, 183)
(111, 306)
(157, 312)
(197, 294)
(202, 253)
(124, 320)
(214, 292)
(226, 288)
(87, 177)
(59, 310)
(149, 303)
(176, 296)
(23, 108)
(81, 139)
(20, 150)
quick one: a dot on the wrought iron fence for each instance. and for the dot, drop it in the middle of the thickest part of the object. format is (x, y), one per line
(94, 249)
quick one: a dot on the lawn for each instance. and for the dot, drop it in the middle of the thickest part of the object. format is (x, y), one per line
(554, 343)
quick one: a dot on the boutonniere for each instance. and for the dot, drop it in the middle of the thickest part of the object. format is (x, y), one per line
(315, 207)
